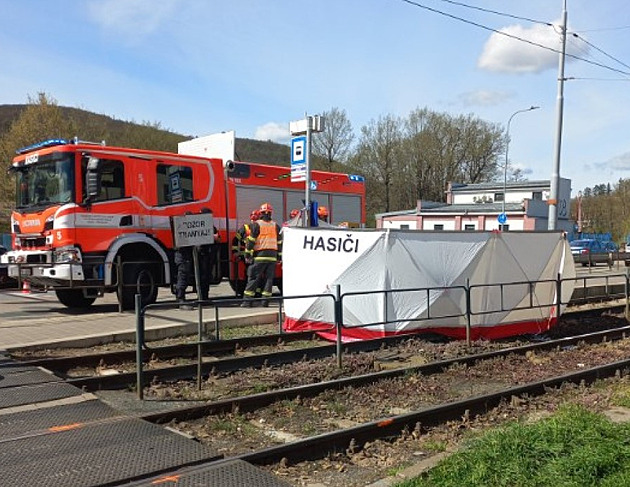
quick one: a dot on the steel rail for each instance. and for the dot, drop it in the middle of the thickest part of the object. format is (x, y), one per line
(232, 364)
(230, 346)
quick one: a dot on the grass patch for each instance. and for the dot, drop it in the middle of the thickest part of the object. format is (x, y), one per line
(434, 446)
(259, 388)
(621, 395)
(337, 407)
(571, 448)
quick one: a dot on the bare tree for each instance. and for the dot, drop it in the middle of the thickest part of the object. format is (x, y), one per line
(439, 148)
(334, 143)
(481, 144)
(517, 175)
(377, 158)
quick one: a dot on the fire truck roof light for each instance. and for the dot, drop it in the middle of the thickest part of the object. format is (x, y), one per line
(41, 145)
(52, 142)
(354, 177)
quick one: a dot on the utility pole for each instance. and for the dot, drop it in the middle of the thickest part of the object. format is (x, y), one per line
(555, 176)
(503, 216)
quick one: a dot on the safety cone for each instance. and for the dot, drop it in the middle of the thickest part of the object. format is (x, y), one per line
(26, 286)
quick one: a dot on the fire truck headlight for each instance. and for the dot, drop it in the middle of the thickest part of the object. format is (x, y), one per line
(67, 255)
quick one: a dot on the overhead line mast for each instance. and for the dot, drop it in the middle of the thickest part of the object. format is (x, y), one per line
(555, 176)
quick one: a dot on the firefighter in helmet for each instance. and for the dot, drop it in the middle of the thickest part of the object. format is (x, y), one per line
(239, 243)
(322, 213)
(293, 218)
(240, 239)
(263, 251)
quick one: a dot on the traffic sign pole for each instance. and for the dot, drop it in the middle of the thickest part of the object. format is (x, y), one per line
(301, 160)
(306, 218)
(502, 219)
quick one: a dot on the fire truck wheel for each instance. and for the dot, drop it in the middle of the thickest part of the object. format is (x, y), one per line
(74, 298)
(138, 279)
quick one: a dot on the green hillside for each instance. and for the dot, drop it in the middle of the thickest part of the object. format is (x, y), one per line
(95, 127)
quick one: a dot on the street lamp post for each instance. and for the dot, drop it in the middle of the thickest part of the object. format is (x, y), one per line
(507, 146)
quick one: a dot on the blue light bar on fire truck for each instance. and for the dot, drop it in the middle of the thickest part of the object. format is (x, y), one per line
(355, 178)
(41, 145)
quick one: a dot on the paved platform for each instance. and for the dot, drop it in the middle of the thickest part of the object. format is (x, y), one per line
(37, 318)
(67, 438)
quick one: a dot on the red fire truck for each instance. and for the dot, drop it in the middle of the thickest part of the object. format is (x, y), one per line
(92, 218)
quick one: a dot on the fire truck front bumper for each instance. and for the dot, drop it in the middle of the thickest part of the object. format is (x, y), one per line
(38, 267)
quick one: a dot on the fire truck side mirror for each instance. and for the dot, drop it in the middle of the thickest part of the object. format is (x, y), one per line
(92, 179)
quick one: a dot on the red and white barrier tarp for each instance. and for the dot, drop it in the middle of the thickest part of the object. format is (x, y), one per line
(511, 276)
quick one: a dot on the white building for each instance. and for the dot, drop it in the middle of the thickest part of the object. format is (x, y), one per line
(478, 206)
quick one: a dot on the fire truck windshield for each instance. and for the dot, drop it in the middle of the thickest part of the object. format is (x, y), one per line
(47, 182)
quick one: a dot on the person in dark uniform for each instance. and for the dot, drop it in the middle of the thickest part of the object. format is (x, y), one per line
(207, 261)
(184, 266)
(264, 250)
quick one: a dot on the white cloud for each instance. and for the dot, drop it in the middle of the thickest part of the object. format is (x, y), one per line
(276, 132)
(619, 163)
(132, 18)
(484, 98)
(509, 55)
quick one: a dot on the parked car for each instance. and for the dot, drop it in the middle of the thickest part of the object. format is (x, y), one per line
(611, 247)
(589, 251)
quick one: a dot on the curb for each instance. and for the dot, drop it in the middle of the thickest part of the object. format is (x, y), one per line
(157, 332)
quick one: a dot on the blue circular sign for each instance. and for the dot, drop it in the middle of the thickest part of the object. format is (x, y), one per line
(502, 218)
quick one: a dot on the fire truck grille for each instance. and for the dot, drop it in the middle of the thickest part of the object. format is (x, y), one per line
(32, 243)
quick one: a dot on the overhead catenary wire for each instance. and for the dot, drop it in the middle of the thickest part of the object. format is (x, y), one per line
(496, 12)
(607, 29)
(511, 36)
(600, 50)
(581, 78)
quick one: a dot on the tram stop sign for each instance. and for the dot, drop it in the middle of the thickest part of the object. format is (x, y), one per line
(502, 218)
(191, 230)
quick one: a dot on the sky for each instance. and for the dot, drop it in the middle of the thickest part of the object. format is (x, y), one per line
(204, 66)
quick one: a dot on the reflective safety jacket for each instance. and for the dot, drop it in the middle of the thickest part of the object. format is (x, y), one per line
(239, 242)
(265, 241)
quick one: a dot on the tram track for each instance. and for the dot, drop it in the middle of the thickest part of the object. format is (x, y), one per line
(255, 401)
(356, 436)
(414, 422)
(223, 357)
(233, 364)
(166, 352)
